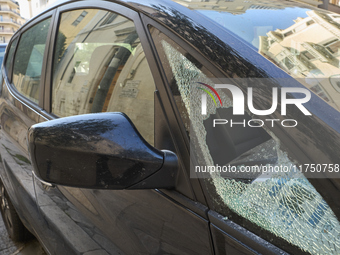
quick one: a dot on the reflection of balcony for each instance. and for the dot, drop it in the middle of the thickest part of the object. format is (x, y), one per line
(9, 10)
(10, 21)
(7, 31)
(317, 51)
(325, 21)
(277, 37)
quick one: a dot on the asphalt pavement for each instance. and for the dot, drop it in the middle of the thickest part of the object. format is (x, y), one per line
(8, 247)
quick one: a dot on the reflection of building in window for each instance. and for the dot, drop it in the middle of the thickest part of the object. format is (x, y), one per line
(333, 46)
(102, 67)
(80, 18)
(309, 50)
(110, 17)
(232, 6)
(262, 7)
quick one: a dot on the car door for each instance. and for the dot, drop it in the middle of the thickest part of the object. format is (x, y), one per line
(249, 213)
(101, 61)
(21, 107)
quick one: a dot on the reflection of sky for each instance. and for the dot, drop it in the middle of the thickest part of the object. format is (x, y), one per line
(254, 23)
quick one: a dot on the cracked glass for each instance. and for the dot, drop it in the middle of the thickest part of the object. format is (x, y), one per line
(285, 203)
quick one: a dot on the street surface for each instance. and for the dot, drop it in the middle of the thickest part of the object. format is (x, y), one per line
(8, 247)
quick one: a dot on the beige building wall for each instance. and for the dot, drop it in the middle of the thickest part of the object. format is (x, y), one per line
(240, 6)
(37, 6)
(10, 19)
(234, 6)
(309, 51)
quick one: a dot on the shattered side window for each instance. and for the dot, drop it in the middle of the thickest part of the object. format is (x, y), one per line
(284, 203)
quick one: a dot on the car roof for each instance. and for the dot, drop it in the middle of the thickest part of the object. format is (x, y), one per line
(160, 9)
(181, 15)
(175, 14)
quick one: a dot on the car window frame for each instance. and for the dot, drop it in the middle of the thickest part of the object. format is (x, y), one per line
(66, 7)
(171, 107)
(125, 11)
(135, 16)
(37, 107)
(248, 239)
(8, 72)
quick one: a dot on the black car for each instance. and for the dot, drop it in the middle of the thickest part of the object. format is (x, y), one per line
(173, 127)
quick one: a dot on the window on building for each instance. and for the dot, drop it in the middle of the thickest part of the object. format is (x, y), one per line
(308, 55)
(310, 22)
(317, 89)
(80, 18)
(333, 46)
(109, 19)
(288, 63)
(288, 33)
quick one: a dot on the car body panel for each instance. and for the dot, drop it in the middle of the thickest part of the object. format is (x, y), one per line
(81, 221)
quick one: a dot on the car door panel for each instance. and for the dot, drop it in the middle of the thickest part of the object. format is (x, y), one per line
(228, 236)
(16, 167)
(122, 222)
(67, 231)
(103, 221)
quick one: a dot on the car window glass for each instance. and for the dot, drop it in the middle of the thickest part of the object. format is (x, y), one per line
(286, 204)
(10, 54)
(28, 60)
(100, 66)
(299, 40)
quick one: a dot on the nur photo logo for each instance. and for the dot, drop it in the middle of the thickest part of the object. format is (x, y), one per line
(239, 99)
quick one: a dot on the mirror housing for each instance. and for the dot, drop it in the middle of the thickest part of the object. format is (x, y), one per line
(98, 151)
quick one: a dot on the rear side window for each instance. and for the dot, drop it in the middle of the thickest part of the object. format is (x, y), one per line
(9, 59)
(29, 59)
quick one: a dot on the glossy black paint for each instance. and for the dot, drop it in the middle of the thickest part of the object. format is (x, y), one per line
(85, 221)
(99, 151)
(75, 221)
(316, 137)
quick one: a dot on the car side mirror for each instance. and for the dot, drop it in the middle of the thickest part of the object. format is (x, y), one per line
(98, 151)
